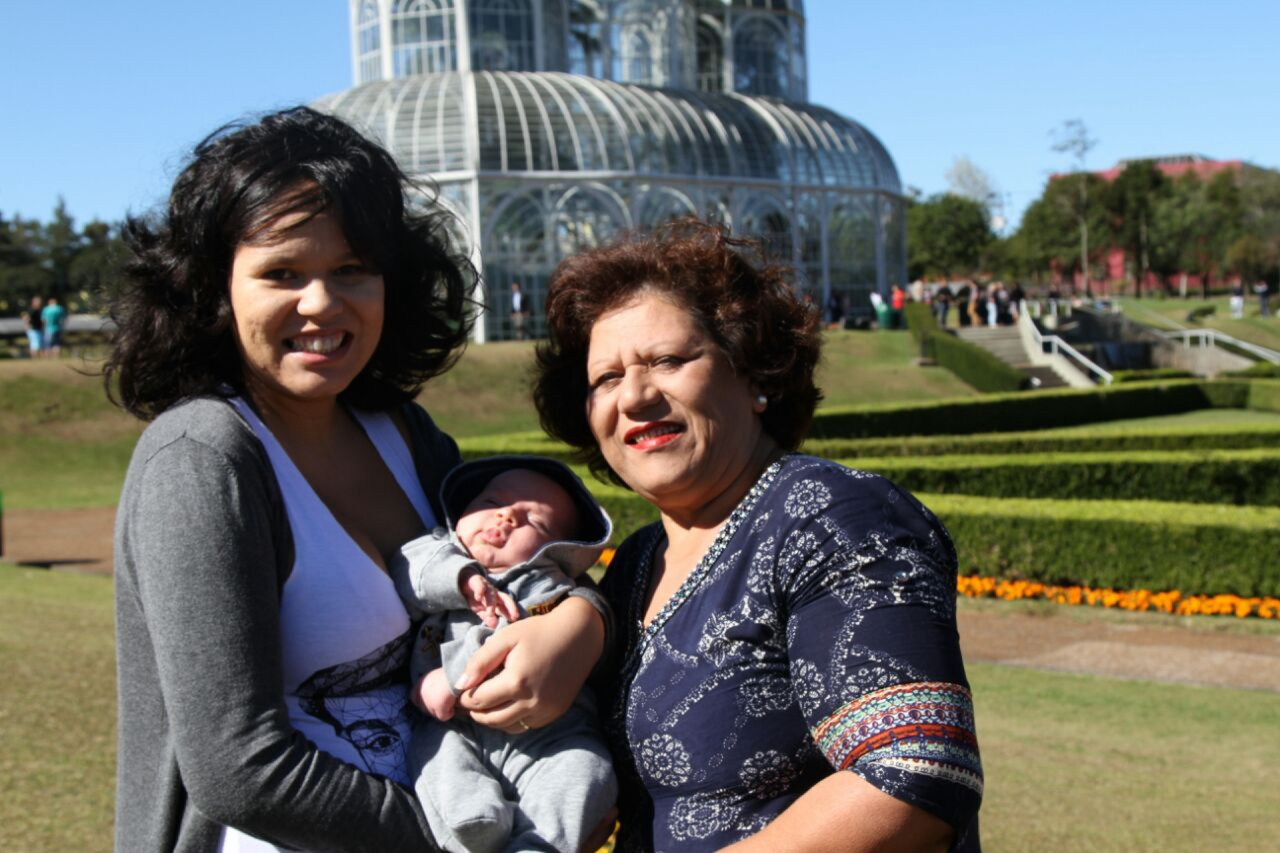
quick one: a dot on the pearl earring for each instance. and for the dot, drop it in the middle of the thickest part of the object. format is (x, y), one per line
(762, 401)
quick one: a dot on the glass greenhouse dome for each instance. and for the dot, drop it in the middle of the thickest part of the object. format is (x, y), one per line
(552, 126)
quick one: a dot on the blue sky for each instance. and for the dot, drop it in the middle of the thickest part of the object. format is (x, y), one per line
(101, 101)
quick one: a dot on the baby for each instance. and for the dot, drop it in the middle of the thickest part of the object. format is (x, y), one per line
(523, 527)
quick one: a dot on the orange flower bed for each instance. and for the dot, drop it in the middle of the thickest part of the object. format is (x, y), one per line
(976, 586)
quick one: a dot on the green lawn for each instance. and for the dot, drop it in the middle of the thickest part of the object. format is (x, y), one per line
(1172, 314)
(1072, 762)
(1077, 762)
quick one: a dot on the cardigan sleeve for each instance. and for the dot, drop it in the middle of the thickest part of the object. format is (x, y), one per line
(201, 569)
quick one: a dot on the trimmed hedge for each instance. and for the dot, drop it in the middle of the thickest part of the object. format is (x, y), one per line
(1150, 374)
(1264, 396)
(971, 363)
(1050, 441)
(1240, 477)
(1260, 370)
(975, 365)
(1198, 550)
(1022, 412)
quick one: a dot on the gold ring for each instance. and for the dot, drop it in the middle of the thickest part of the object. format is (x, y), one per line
(522, 724)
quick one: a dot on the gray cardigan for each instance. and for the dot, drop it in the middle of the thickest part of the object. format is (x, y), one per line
(202, 552)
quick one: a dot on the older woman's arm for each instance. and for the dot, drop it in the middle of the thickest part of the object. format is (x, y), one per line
(876, 665)
(201, 669)
(845, 813)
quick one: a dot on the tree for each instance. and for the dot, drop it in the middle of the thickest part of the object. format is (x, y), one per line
(967, 180)
(1049, 235)
(1195, 225)
(1252, 258)
(1260, 214)
(946, 235)
(61, 244)
(1073, 139)
(98, 263)
(22, 273)
(1131, 200)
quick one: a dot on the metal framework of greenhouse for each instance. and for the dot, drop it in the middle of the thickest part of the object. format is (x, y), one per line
(632, 113)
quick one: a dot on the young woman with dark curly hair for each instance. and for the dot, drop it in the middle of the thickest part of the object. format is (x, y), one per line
(277, 322)
(788, 669)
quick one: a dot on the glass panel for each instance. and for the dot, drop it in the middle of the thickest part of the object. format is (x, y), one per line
(760, 63)
(423, 37)
(710, 59)
(502, 37)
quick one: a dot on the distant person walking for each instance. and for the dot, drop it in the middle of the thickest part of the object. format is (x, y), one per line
(53, 317)
(1237, 300)
(835, 311)
(519, 310)
(897, 301)
(1264, 297)
(34, 326)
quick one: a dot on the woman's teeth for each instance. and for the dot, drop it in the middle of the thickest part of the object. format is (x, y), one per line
(665, 429)
(316, 344)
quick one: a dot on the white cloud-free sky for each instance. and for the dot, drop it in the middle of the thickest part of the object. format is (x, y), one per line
(101, 101)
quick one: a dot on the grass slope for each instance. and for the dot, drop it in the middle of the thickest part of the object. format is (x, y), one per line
(62, 445)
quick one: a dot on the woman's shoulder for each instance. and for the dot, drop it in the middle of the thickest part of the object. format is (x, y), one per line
(201, 425)
(808, 488)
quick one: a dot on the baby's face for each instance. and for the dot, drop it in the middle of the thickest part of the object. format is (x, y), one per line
(517, 513)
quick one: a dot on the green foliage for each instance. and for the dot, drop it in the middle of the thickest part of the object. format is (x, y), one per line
(1240, 477)
(1131, 201)
(946, 235)
(1150, 374)
(971, 363)
(57, 259)
(1123, 544)
(1264, 396)
(1197, 549)
(1201, 313)
(975, 365)
(1229, 437)
(1019, 412)
(1049, 235)
(1259, 370)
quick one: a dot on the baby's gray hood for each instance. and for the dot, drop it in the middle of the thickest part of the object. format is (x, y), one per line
(574, 556)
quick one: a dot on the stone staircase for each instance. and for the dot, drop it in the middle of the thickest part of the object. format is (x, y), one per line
(1005, 343)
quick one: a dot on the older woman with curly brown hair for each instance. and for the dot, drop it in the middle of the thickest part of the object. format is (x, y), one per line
(788, 669)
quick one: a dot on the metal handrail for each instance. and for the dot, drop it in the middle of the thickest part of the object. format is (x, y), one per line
(1212, 337)
(1058, 345)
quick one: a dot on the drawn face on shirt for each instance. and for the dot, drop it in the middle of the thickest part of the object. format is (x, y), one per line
(517, 513)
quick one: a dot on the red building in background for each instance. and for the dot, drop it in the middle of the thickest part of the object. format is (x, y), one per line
(1173, 167)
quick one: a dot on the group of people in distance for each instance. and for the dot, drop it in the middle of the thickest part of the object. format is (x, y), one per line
(336, 635)
(43, 322)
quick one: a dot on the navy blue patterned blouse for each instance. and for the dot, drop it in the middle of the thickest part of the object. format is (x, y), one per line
(817, 634)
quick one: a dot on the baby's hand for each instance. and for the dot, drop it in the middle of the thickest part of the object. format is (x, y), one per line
(433, 695)
(486, 602)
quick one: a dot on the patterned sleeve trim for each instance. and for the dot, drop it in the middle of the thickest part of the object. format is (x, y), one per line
(923, 728)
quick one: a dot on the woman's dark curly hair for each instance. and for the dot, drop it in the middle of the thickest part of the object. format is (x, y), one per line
(743, 301)
(174, 337)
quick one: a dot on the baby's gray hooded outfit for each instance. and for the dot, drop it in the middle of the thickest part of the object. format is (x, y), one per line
(482, 789)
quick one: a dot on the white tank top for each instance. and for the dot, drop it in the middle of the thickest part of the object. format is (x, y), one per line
(345, 634)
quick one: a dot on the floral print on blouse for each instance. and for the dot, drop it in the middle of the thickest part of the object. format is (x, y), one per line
(817, 634)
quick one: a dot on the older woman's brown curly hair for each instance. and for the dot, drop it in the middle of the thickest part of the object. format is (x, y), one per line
(743, 301)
